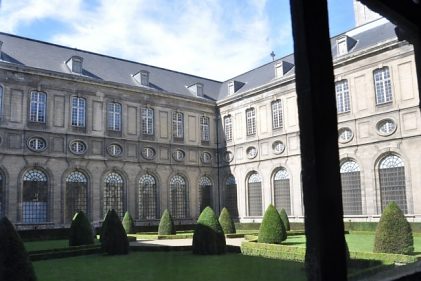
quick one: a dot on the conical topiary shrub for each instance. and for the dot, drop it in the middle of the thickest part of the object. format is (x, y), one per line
(113, 237)
(285, 220)
(128, 223)
(393, 233)
(226, 222)
(272, 229)
(208, 237)
(80, 232)
(15, 264)
(166, 224)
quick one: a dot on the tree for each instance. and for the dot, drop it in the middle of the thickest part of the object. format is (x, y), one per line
(393, 233)
(113, 237)
(15, 264)
(166, 224)
(80, 232)
(272, 229)
(226, 221)
(285, 220)
(128, 223)
(208, 237)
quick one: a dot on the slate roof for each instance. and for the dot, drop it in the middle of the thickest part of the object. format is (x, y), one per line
(365, 36)
(51, 57)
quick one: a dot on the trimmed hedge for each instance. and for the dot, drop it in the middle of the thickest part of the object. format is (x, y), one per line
(114, 239)
(80, 232)
(285, 220)
(14, 260)
(272, 229)
(393, 233)
(128, 223)
(208, 237)
(284, 252)
(166, 224)
(226, 222)
(64, 252)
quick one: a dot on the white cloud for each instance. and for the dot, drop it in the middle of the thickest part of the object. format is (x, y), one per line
(212, 38)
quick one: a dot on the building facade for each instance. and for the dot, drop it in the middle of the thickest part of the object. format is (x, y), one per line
(83, 131)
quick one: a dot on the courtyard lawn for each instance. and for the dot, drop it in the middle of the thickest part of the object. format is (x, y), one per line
(172, 266)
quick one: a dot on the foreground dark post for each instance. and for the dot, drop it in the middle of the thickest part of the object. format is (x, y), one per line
(325, 257)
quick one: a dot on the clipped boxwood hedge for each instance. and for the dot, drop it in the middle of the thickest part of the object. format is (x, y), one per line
(226, 222)
(272, 229)
(166, 224)
(128, 223)
(285, 220)
(208, 237)
(393, 233)
(114, 239)
(80, 232)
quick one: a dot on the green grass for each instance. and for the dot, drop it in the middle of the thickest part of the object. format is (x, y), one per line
(172, 266)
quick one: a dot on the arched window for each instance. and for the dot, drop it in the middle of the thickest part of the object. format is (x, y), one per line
(34, 197)
(230, 193)
(351, 188)
(205, 190)
(178, 197)
(254, 195)
(76, 194)
(281, 191)
(1, 195)
(148, 199)
(114, 194)
(392, 182)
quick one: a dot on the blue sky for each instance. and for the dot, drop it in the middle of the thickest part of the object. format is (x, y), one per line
(216, 39)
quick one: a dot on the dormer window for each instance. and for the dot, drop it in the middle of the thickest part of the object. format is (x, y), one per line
(142, 77)
(196, 89)
(234, 86)
(344, 44)
(75, 64)
(281, 68)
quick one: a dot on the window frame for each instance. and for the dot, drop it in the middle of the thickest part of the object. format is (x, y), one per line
(114, 114)
(228, 127)
(178, 125)
(147, 116)
(277, 115)
(383, 86)
(38, 107)
(343, 98)
(78, 112)
(251, 122)
(205, 128)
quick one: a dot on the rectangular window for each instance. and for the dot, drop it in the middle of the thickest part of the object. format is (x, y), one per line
(78, 111)
(251, 121)
(147, 121)
(114, 116)
(177, 124)
(228, 127)
(204, 128)
(37, 107)
(277, 115)
(342, 96)
(382, 85)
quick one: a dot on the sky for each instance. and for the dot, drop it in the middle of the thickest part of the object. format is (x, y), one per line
(216, 39)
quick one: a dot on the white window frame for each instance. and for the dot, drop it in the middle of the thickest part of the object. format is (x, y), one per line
(228, 127)
(277, 115)
(78, 111)
(382, 85)
(204, 128)
(178, 125)
(114, 116)
(38, 106)
(251, 121)
(147, 121)
(343, 102)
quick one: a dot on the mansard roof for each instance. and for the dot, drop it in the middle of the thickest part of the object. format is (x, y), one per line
(51, 57)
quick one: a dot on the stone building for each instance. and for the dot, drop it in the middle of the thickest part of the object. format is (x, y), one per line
(84, 131)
